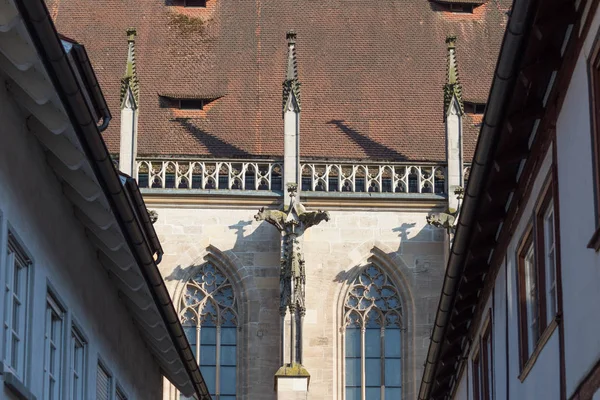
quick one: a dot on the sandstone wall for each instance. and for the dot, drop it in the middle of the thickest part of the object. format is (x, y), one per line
(400, 242)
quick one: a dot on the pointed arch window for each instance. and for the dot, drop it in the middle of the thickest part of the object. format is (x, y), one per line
(373, 315)
(209, 317)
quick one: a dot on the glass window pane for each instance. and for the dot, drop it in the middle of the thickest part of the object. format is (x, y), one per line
(228, 335)
(210, 376)
(373, 393)
(227, 380)
(228, 355)
(373, 342)
(393, 372)
(393, 393)
(190, 334)
(352, 342)
(227, 397)
(392, 342)
(208, 355)
(353, 393)
(373, 371)
(353, 372)
(208, 335)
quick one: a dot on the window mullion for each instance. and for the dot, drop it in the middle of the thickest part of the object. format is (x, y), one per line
(218, 362)
(382, 360)
(8, 300)
(198, 328)
(363, 378)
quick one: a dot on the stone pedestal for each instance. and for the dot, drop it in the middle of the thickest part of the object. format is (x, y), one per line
(291, 382)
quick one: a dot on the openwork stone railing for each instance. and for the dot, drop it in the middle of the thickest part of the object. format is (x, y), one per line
(235, 175)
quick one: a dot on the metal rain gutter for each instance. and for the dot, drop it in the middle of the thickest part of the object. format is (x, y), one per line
(42, 31)
(502, 86)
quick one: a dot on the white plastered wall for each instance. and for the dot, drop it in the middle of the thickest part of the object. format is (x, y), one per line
(543, 380)
(580, 265)
(31, 201)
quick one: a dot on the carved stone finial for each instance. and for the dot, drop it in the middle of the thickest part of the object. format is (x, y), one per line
(452, 88)
(131, 34)
(291, 37)
(291, 84)
(292, 189)
(129, 82)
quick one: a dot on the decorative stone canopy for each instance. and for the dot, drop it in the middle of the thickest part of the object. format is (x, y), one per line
(129, 82)
(452, 88)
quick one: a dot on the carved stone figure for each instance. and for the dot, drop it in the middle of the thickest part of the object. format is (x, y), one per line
(442, 220)
(274, 217)
(292, 221)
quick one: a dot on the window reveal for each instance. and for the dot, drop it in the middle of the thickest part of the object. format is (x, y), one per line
(78, 364)
(16, 307)
(209, 316)
(482, 365)
(53, 349)
(373, 315)
(537, 282)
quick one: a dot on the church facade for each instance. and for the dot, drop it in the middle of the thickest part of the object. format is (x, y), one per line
(299, 247)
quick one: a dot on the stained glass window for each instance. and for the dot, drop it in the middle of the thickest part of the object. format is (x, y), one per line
(209, 317)
(373, 314)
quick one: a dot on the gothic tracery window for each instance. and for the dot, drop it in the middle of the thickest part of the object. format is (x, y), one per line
(209, 317)
(373, 315)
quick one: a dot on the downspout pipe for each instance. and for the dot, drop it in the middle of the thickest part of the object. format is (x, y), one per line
(502, 86)
(42, 32)
(94, 88)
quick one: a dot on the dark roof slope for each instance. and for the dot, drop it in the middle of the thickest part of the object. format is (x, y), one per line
(372, 72)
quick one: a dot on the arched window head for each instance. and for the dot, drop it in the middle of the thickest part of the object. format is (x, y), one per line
(208, 313)
(373, 317)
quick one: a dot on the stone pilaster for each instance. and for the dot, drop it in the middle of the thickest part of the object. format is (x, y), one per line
(129, 110)
(291, 119)
(453, 114)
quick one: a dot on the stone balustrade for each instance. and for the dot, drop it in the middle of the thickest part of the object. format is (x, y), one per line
(268, 175)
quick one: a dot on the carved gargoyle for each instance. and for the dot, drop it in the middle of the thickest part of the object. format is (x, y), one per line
(442, 220)
(153, 215)
(313, 218)
(274, 217)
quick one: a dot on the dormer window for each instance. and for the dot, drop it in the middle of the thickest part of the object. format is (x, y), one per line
(457, 6)
(460, 8)
(194, 3)
(474, 108)
(191, 104)
(185, 102)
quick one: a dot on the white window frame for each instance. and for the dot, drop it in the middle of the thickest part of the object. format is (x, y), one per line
(15, 340)
(53, 348)
(549, 221)
(77, 375)
(532, 299)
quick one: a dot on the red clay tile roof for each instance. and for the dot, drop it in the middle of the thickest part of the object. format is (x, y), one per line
(372, 72)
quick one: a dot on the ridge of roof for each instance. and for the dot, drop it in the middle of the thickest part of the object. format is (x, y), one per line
(130, 82)
(452, 88)
(291, 84)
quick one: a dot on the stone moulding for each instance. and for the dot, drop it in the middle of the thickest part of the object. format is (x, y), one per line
(266, 175)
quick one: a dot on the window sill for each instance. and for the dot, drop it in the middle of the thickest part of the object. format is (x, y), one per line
(546, 335)
(594, 242)
(14, 384)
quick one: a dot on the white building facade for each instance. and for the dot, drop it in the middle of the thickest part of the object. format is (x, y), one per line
(518, 314)
(79, 307)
